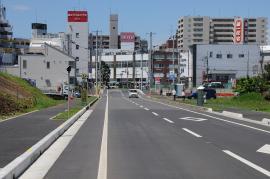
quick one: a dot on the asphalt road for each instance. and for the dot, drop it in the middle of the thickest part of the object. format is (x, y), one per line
(142, 139)
(19, 134)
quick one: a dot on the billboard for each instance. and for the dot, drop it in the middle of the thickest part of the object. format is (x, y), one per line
(127, 37)
(238, 31)
(77, 16)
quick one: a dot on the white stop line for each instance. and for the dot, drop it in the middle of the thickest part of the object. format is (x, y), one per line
(193, 119)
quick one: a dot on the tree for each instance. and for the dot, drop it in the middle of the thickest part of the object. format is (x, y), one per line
(105, 73)
(253, 84)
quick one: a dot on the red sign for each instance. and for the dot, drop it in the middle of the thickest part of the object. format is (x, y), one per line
(77, 16)
(157, 80)
(127, 37)
(238, 31)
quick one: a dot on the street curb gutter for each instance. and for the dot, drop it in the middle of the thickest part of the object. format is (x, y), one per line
(15, 168)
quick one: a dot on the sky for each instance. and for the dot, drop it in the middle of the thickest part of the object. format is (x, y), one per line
(139, 16)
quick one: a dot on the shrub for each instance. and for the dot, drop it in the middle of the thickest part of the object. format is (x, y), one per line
(254, 84)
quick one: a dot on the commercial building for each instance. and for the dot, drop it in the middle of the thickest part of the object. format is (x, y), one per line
(223, 63)
(113, 40)
(127, 67)
(78, 30)
(206, 30)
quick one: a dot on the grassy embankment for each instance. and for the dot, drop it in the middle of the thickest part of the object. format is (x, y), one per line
(76, 108)
(17, 96)
(249, 101)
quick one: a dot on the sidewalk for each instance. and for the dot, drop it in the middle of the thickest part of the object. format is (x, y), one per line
(19, 134)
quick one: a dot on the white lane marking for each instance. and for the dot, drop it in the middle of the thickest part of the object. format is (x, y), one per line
(265, 149)
(224, 120)
(168, 120)
(250, 164)
(146, 109)
(193, 119)
(102, 169)
(4, 120)
(191, 132)
(43, 164)
(155, 113)
(141, 106)
(55, 116)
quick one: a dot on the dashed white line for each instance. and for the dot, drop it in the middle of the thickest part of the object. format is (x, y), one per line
(191, 132)
(146, 109)
(168, 120)
(141, 106)
(155, 113)
(250, 164)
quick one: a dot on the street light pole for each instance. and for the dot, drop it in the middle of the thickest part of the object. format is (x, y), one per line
(173, 62)
(68, 70)
(96, 61)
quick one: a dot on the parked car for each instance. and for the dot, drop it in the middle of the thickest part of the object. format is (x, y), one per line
(215, 85)
(209, 93)
(133, 93)
(77, 94)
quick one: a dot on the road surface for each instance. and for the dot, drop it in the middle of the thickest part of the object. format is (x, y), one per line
(140, 139)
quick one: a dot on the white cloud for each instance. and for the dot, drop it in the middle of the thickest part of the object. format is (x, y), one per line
(21, 7)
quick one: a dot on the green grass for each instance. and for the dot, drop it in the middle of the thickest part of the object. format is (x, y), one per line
(249, 101)
(38, 99)
(78, 106)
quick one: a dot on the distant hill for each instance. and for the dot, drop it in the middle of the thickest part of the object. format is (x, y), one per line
(17, 95)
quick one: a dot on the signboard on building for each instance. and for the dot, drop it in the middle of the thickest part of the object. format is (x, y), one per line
(246, 31)
(238, 31)
(77, 16)
(127, 37)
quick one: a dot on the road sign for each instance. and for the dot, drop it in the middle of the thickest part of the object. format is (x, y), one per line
(157, 80)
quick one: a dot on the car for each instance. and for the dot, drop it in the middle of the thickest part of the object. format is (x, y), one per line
(215, 85)
(77, 94)
(209, 93)
(133, 93)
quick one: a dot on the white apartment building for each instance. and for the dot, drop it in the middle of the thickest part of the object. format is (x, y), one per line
(206, 30)
(223, 62)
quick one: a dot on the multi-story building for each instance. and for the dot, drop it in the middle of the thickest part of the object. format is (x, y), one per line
(206, 30)
(127, 67)
(193, 30)
(223, 63)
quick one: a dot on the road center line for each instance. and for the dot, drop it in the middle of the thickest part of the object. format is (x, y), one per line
(141, 106)
(155, 113)
(146, 109)
(168, 120)
(250, 164)
(102, 169)
(191, 132)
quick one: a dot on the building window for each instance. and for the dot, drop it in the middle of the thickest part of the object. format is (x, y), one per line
(211, 54)
(24, 64)
(48, 65)
(219, 56)
(77, 47)
(77, 35)
(241, 55)
(229, 56)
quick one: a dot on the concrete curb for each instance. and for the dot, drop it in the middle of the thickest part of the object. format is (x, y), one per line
(15, 168)
(232, 114)
(266, 121)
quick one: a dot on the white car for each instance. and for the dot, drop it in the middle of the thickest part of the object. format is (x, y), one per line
(133, 93)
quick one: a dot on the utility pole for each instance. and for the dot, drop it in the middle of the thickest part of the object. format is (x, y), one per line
(96, 61)
(141, 69)
(207, 67)
(173, 62)
(248, 65)
(150, 75)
